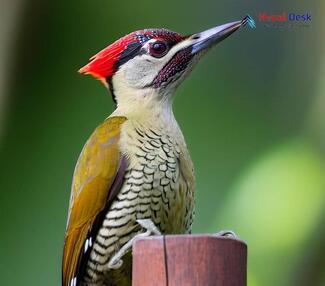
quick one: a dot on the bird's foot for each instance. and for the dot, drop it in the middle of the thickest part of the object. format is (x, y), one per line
(149, 226)
(226, 233)
(116, 261)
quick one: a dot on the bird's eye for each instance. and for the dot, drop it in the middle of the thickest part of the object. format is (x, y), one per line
(158, 49)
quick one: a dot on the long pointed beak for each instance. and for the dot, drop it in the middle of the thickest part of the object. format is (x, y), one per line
(209, 38)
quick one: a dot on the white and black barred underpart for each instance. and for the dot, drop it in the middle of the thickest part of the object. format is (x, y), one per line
(153, 188)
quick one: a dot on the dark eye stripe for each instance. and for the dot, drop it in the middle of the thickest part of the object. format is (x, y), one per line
(132, 49)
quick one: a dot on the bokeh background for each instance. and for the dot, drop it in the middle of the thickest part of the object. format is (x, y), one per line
(252, 112)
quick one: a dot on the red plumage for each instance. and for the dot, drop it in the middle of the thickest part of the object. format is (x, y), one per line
(101, 65)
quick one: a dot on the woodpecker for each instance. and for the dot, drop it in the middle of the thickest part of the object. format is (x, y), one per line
(134, 176)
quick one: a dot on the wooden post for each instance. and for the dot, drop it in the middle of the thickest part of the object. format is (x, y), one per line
(189, 260)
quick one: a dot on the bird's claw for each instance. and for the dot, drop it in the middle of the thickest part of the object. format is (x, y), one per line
(116, 261)
(149, 226)
(226, 233)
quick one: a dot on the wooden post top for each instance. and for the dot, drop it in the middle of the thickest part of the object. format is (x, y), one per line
(189, 260)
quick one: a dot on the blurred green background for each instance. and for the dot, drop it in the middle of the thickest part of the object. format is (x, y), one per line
(252, 112)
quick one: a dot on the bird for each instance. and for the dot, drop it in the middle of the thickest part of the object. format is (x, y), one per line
(134, 176)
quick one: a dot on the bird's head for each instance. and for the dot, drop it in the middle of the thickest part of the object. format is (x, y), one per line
(147, 65)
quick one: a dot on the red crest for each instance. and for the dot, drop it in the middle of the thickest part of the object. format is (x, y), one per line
(102, 65)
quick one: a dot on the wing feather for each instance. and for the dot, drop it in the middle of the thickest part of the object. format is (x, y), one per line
(98, 167)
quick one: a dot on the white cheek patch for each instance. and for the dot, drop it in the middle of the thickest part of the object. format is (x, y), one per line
(141, 71)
